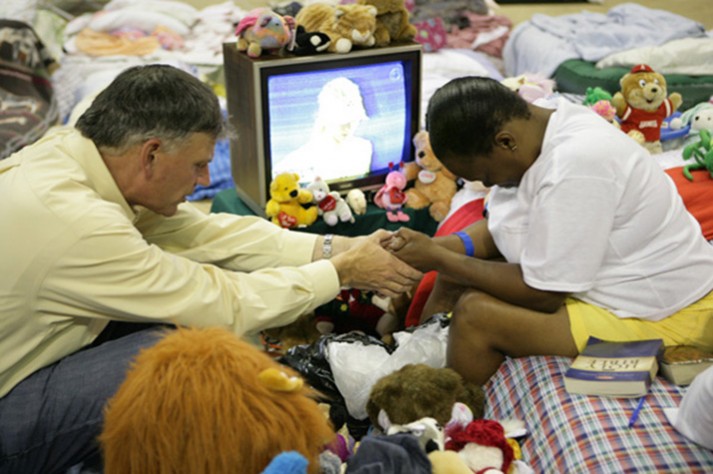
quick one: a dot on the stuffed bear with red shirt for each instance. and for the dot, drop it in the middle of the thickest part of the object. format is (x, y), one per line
(643, 104)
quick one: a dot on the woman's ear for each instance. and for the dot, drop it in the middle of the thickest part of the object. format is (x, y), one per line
(505, 140)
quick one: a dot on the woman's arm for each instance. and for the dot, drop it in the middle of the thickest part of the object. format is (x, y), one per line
(500, 279)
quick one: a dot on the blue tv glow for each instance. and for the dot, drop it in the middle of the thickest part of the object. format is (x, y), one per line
(384, 91)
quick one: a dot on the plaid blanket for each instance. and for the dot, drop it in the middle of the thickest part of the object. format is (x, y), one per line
(585, 434)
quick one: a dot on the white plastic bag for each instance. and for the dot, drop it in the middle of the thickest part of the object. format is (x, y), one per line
(357, 367)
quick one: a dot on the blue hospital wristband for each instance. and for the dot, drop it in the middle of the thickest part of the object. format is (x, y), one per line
(467, 243)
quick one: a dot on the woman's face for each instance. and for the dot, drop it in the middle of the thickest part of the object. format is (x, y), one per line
(501, 166)
(341, 131)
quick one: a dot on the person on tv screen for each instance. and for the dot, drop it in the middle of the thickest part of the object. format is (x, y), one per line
(333, 150)
(585, 236)
(99, 251)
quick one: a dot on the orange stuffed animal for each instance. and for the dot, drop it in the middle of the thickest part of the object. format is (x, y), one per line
(202, 401)
(434, 184)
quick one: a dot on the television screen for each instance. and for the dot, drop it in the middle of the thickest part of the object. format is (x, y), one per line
(343, 117)
(338, 123)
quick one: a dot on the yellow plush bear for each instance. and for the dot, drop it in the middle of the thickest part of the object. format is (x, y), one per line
(392, 21)
(346, 25)
(642, 105)
(285, 207)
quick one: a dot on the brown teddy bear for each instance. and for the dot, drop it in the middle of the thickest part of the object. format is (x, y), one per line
(642, 105)
(392, 21)
(417, 391)
(346, 25)
(435, 185)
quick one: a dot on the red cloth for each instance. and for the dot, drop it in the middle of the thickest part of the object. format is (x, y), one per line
(697, 196)
(648, 123)
(467, 214)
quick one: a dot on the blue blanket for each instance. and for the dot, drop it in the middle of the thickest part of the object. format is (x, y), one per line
(541, 44)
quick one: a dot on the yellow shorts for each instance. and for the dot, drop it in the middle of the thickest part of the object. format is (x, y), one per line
(692, 325)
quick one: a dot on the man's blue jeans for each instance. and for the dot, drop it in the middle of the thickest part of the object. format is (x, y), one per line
(51, 420)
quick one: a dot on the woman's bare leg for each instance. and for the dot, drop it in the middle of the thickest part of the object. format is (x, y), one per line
(484, 330)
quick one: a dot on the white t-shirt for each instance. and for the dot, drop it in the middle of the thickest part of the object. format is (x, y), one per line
(597, 217)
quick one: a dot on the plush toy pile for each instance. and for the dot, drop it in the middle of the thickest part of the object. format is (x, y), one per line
(347, 26)
(392, 21)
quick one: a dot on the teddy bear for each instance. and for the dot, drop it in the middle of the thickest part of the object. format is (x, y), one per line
(357, 201)
(392, 21)
(206, 401)
(417, 391)
(642, 104)
(287, 206)
(346, 25)
(391, 196)
(331, 206)
(434, 185)
(261, 29)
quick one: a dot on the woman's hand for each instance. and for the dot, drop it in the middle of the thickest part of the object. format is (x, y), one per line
(367, 265)
(416, 249)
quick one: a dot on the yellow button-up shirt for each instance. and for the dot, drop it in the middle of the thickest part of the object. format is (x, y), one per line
(74, 255)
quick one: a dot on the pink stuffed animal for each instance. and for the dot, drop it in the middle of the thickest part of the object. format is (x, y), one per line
(392, 197)
(263, 29)
(530, 86)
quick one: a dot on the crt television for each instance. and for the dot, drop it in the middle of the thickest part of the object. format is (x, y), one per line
(344, 117)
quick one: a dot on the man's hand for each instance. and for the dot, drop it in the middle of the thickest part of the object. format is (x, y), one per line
(367, 265)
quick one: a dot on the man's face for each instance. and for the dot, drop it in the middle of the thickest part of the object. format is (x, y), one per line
(177, 171)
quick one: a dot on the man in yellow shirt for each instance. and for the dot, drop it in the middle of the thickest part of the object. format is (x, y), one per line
(95, 239)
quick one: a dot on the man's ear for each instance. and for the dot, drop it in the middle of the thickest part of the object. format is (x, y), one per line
(147, 156)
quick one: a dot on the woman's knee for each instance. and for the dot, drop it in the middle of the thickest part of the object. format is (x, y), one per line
(473, 309)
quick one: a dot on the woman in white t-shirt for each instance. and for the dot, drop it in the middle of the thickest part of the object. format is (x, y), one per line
(586, 235)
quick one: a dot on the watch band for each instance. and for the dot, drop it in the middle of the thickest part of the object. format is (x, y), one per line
(327, 246)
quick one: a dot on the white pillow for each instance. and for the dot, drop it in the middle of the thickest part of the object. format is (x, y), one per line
(694, 417)
(20, 10)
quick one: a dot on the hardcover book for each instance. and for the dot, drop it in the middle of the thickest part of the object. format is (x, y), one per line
(680, 364)
(614, 369)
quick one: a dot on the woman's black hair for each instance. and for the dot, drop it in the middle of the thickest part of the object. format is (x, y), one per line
(465, 114)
